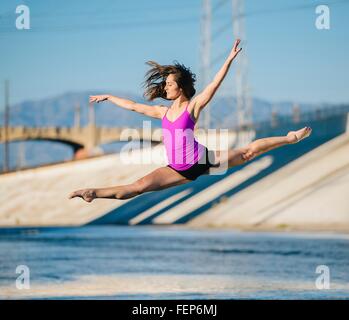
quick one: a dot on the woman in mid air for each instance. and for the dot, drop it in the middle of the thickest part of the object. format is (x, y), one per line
(189, 160)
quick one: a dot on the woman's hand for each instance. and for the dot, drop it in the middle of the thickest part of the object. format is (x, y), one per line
(235, 51)
(99, 98)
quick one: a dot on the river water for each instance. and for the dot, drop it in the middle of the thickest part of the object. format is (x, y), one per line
(171, 262)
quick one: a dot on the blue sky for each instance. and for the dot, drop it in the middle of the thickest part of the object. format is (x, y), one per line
(103, 45)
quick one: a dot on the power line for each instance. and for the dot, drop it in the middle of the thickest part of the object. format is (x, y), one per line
(103, 12)
(218, 5)
(104, 26)
(152, 23)
(292, 8)
(227, 26)
(221, 56)
(221, 30)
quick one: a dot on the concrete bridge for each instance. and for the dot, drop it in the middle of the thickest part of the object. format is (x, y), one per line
(84, 139)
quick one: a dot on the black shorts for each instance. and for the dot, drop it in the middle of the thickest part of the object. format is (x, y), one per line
(198, 169)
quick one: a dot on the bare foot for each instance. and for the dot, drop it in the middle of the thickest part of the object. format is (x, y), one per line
(296, 136)
(87, 194)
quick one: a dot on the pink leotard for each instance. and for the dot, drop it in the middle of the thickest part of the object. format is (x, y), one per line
(182, 149)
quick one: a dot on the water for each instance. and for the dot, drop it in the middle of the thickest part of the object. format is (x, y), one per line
(152, 262)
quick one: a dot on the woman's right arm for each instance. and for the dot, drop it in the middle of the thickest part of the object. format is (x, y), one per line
(124, 103)
(151, 111)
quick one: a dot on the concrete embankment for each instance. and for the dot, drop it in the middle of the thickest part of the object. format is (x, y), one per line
(310, 193)
(39, 197)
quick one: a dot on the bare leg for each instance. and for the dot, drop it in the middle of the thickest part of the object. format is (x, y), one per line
(159, 179)
(242, 155)
(266, 144)
(117, 192)
(165, 177)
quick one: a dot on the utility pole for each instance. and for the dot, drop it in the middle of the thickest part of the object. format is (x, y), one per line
(6, 124)
(21, 163)
(243, 100)
(91, 115)
(296, 115)
(92, 125)
(77, 115)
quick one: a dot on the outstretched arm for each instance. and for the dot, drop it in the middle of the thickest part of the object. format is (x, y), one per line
(203, 98)
(151, 111)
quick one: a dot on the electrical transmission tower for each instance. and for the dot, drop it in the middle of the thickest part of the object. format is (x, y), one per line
(205, 56)
(243, 96)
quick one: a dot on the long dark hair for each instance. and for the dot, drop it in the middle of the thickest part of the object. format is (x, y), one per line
(156, 80)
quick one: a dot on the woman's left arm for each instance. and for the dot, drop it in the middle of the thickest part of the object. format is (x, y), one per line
(203, 98)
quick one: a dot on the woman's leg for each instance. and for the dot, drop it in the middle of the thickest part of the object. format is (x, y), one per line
(159, 179)
(240, 156)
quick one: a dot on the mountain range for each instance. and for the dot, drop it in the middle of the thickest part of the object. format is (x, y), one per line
(59, 110)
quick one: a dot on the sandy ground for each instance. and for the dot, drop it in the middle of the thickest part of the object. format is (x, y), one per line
(130, 285)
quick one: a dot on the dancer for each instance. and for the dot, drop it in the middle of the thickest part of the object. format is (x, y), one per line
(189, 160)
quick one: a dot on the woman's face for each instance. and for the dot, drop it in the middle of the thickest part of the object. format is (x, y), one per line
(171, 88)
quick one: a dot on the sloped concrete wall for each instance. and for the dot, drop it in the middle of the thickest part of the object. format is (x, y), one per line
(311, 192)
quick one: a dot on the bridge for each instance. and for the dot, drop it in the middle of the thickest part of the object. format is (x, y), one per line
(83, 139)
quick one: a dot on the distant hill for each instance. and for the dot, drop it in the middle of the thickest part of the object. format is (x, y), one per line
(59, 110)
